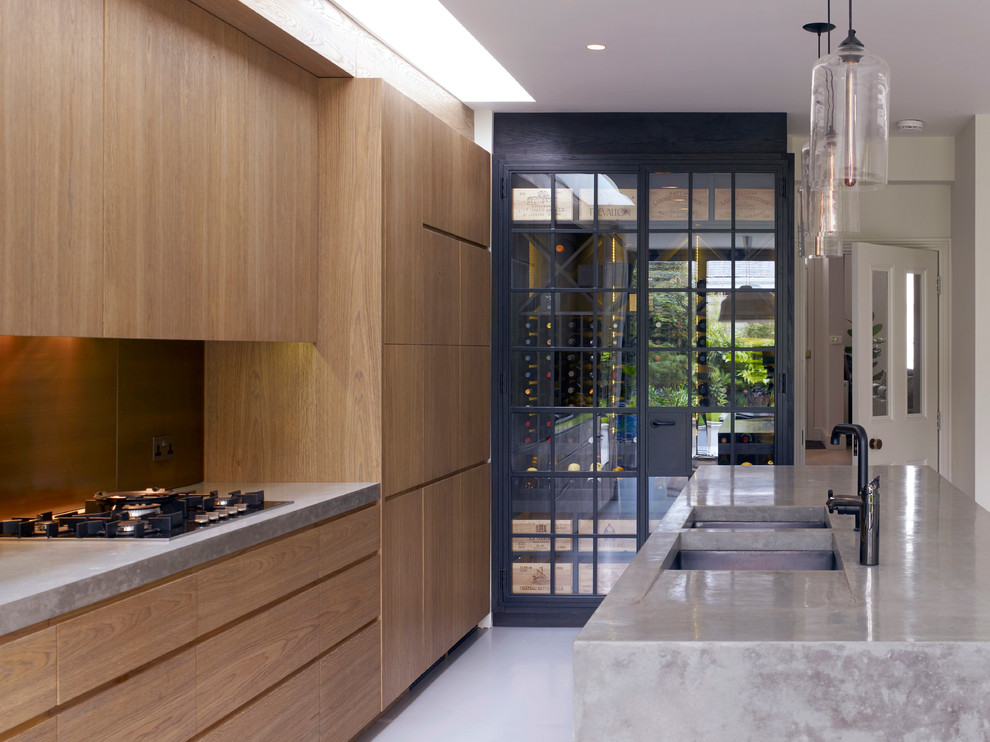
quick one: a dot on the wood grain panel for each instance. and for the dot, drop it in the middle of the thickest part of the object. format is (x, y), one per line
(350, 600)
(27, 677)
(472, 538)
(441, 592)
(443, 417)
(474, 406)
(475, 296)
(43, 732)
(211, 180)
(154, 705)
(311, 33)
(456, 544)
(57, 421)
(294, 412)
(319, 38)
(160, 392)
(289, 712)
(403, 654)
(350, 686)
(404, 418)
(345, 540)
(104, 643)
(458, 177)
(377, 60)
(256, 577)
(51, 172)
(252, 656)
(421, 290)
(350, 248)
(405, 140)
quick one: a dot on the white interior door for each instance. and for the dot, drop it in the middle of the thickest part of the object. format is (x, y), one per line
(895, 352)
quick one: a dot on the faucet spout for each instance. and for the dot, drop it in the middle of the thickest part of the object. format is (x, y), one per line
(850, 429)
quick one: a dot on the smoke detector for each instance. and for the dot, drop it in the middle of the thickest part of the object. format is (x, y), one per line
(911, 125)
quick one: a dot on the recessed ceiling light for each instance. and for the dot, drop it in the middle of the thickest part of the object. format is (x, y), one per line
(428, 36)
(596, 47)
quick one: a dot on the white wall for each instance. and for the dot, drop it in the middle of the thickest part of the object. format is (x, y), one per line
(971, 308)
(484, 132)
(963, 368)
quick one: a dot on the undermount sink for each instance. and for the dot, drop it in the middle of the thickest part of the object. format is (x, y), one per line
(768, 551)
(762, 517)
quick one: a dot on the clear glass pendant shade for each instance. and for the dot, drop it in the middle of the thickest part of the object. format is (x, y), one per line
(824, 215)
(849, 119)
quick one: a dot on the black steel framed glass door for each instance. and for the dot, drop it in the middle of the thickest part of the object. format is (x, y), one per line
(636, 338)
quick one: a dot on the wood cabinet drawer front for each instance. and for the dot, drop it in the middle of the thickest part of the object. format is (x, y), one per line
(289, 712)
(27, 677)
(109, 641)
(154, 705)
(350, 686)
(255, 654)
(238, 586)
(348, 539)
(44, 732)
(350, 600)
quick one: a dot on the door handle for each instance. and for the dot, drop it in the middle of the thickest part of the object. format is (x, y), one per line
(876, 444)
(662, 423)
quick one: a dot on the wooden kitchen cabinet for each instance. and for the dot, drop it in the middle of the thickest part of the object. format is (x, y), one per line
(27, 677)
(397, 386)
(294, 660)
(159, 177)
(211, 180)
(350, 685)
(290, 711)
(99, 645)
(51, 172)
(256, 578)
(403, 653)
(153, 705)
(435, 573)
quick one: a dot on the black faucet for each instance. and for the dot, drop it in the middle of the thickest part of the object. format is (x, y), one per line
(866, 507)
(850, 429)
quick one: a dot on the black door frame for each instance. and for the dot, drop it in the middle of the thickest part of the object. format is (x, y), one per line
(563, 610)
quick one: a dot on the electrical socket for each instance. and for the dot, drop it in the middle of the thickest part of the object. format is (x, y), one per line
(162, 448)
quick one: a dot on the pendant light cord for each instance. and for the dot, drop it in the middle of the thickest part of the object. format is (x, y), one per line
(850, 16)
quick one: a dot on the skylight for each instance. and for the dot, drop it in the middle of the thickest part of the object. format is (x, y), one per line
(429, 37)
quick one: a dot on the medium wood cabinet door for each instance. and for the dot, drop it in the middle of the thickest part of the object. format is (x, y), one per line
(51, 171)
(403, 654)
(211, 188)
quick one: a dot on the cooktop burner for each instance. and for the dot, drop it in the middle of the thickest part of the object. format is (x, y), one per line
(150, 513)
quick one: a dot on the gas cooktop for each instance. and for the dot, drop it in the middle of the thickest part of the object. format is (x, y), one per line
(151, 513)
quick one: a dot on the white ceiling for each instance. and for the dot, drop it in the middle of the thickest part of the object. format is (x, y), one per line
(731, 55)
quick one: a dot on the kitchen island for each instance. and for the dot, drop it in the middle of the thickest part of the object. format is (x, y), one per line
(262, 628)
(896, 651)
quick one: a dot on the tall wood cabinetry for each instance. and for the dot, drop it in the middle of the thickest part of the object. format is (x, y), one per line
(158, 178)
(396, 389)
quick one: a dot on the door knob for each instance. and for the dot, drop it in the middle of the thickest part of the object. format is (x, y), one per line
(876, 444)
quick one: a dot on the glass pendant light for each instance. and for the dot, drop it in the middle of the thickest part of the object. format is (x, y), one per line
(825, 216)
(849, 117)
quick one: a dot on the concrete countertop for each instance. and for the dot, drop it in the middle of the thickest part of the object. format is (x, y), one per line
(897, 650)
(41, 579)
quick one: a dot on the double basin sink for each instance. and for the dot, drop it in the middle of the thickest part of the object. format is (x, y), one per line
(771, 537)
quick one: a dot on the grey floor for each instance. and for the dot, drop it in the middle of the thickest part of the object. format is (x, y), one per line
(501, 684)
